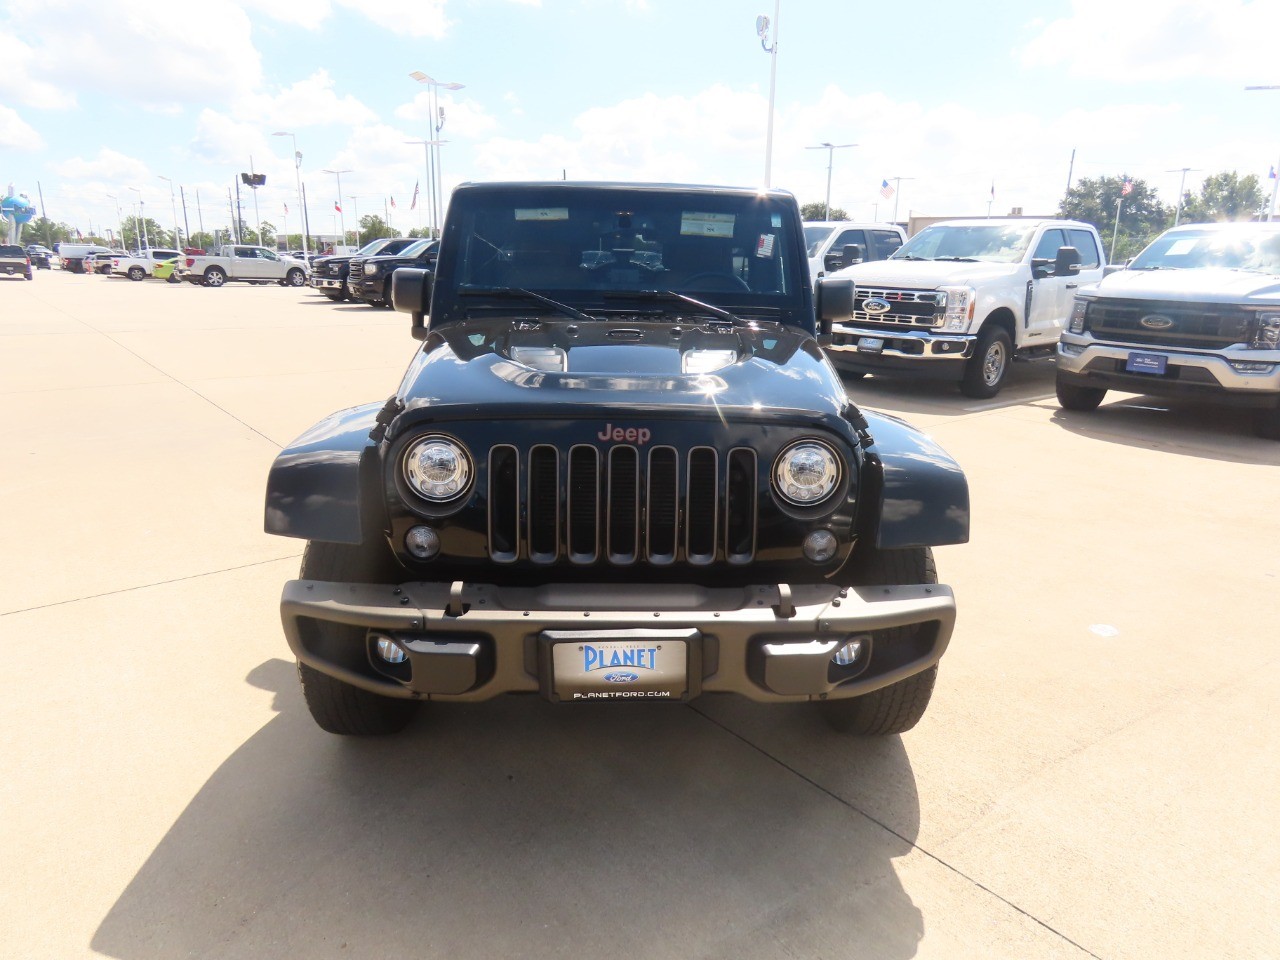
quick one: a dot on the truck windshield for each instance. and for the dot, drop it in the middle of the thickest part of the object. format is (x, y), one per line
(577, 243)
(1247, 246)
(997, 243)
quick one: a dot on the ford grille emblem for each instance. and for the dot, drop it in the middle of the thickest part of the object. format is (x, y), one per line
(621, 677)
(1156, 322)
(875, 306)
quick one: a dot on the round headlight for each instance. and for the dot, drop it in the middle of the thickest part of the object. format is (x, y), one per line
(806, 473)
(437, 468)
(370, 269)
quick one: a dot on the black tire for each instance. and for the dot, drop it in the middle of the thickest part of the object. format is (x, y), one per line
(345, 291)
(986, 370)
(137, 273)
(898, 707)
(295, 278)
(335, 706)
(1266, 424)
(1074, 397)
(215, 277)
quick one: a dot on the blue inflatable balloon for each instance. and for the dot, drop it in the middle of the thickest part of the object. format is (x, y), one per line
(16, 210)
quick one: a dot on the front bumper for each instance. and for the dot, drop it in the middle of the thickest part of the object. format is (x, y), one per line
(919, 353)
(326, 283)
(1086, 362)
(475, 641)
(368, 288)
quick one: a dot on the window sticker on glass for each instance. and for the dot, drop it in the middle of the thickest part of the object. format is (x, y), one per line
(706, 224)
(542, 213)
(775, 220)
(764, 246)
(1180, 248)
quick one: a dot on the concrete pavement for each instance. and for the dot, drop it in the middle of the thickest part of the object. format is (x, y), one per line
(1097, 775)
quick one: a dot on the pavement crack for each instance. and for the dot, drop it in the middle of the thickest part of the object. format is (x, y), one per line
(888, 829)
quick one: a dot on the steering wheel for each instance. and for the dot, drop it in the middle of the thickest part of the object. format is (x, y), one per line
(730, 280)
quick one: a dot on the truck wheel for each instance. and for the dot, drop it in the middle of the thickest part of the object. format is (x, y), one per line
(386, 294)
(295, 277)
(1266, 424)
(898, 707)
(137, 273)
(215, 277)
(985, 372)
(335, 706)
(1073, 397)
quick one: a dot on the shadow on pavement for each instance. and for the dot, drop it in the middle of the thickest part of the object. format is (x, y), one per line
(519, 828)
(1027, 382)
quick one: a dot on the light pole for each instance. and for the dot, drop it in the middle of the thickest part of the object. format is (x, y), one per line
(1177, 213)
(297, 177)
(897, 189)
(174, 204)
(762, 31)
(426, 146)
(338, 174)
(831, 149)
(119, 218)
(142, 222)
(1271, 212)
(355, 208)
(434, 177)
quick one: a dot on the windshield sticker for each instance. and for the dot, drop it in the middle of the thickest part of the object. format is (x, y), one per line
(1180, 248)
(542, 213)
(775, 220)
(706, 224)
(764, 246)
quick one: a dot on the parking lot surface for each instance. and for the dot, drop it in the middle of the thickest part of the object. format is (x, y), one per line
(1096, 777)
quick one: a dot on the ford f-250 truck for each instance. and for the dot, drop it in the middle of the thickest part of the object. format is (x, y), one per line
(241, 262)
(962, 298)
(1196, 314)
(618, 468)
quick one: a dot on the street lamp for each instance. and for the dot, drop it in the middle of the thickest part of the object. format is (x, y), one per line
(355, 207)
(119, 218)
(831, 149)
(1177, 213)
(762, 31)
(297, 176)
(342, 219)
(426, 146)
(174, 204)
(434, 171)
(1271, 212)
(142, 222)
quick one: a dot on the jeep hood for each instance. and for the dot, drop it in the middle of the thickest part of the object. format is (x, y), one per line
(513, 368)
(1204, 284)
(926, 274)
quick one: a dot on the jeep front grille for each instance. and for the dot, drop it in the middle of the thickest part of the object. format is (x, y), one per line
(907, 308)
(1205, 326)
(621, 505)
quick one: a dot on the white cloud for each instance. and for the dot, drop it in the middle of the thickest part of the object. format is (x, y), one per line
(109, 166)
(16, 133)
(310, 15)
(462, 118)
(308, 102)
(1155, 41)
(413, 18)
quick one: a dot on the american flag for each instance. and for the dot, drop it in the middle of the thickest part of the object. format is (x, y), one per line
(886, 191)
(286, 209)
(414, 202)
(1126, 188)
(393, 203)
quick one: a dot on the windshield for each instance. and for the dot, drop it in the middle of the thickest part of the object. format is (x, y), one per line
(372, 247)
(412, 250)
(1244, 247)
(583, 245)
(998, 243)
(813, 237)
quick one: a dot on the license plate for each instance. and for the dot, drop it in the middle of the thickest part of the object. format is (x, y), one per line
(870, 344)
(1146, 363)
(601, 667)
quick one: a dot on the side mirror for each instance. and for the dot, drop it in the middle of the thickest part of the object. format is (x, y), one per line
(411, 294)
(833, 298)
(1067, 262)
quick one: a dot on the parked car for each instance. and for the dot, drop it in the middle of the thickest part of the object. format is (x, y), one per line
(72, 254)
(835, 244)
(14, 261)
(1196, 314)
(41, 257)
(140, 265)
(102, 262)
(329, 273)
(369, 279)
(614, 478)
(963, 298)
(245, 263)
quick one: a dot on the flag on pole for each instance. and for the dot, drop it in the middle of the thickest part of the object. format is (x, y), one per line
(393, 203)
(1272, 174)
(336, 206)
(286, 209)
(886, 191)
(1126, 188)
(993, 189)
(414, 202)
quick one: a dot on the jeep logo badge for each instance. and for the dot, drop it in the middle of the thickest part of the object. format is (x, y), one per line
(1154, 321)
(875, 306)
(619, 435)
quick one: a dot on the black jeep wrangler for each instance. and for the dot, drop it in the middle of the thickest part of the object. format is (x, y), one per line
(619, 467)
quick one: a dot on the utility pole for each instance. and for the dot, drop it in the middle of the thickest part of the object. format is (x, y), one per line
(199, 212)
(1070, 170)
(897, 190)
(762, 31)
(831, 149)
(186, 226)
(48, 238)
(1177, 214)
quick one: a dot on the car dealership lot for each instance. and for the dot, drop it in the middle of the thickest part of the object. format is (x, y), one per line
(1095, 777)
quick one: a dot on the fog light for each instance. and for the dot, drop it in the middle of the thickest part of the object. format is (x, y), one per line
(849, 653)
(820, 546)
(422, 542)
(392, 652)
(1069, 349)
(1250, 367)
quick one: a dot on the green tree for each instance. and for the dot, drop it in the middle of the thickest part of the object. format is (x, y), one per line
(1142, 216)
(373, 227)
(156, 235)
(43, 230)
(818, 211)
(1224, 197)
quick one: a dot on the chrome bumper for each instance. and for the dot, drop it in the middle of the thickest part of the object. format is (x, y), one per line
(1083, 356)
(934, 346)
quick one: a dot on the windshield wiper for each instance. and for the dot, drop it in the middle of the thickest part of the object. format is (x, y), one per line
(715, 311)
(911, 256)
(521, 293)
(959, 259)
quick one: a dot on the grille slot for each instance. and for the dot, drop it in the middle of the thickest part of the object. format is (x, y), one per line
(584, 504)
(544, 504)
(624, 504)
(664, 504)
(740, 507)
(700, 512)
(1203, 326)
(504, 503)
(907, 308)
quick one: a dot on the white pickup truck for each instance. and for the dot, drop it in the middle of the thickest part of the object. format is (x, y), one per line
(242, 262)
(828, 244)
(140, 265)
(962, 298)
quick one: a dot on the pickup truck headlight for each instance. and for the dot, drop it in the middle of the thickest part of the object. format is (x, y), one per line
(1266, 332)
(370, 269)
(958, 308)
(806, 472)
(1078, 310)
(437, 468)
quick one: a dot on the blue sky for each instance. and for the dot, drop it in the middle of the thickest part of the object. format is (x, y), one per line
(97, 99)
